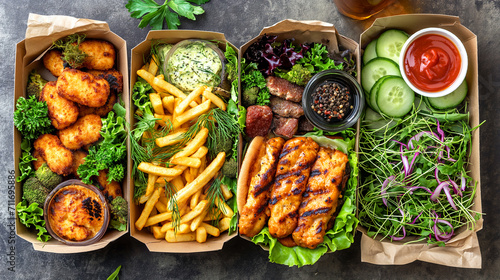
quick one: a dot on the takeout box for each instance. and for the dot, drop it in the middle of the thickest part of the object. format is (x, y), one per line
(42, 31)
(463, 249)
(138, 55)
(302, 32)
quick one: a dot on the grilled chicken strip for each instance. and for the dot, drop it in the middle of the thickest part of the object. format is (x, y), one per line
(253, 217)
(284, 89)
(321, 198)
(292, 173)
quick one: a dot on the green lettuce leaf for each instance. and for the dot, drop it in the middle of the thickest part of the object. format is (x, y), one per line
(32, 215)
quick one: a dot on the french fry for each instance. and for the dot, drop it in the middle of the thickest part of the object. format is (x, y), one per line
(148, 207)
(170, 139)
(226, 193)
(163, 199)
(177, 183)
(158, 218)
(153, 67)
(201, 153)
(168, 103)
(189, 216)
(150, 168)
(168, 87)
(163, 119)
(214, 98)
(221, 204)
(193, 145)
(224, 224)
(191, 114)
(195, 198)
(187, 161)
(151, 184)
(171, 236)
(211, 229)
(201, 235)
(144, 198)
(196, 222)
(161, 180)
(156, 103)
(143, 73)
(187, 176)
(184, 228)
(202, 179)
(161, 207)
(157, 232)
(190, 98)
(214, 214)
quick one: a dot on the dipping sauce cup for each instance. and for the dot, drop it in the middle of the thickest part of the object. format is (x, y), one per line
(433, 62)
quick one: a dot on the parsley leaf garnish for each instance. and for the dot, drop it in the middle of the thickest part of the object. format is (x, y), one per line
(154, 14)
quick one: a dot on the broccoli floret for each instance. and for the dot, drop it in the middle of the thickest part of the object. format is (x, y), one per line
(119, 214)
(230, 168)
(49, 178)
(249, 96)
(223, 144)
(34, 191)
(35, 84)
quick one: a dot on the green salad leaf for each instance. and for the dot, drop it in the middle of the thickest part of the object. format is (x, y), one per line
(25, 167)
(32, 215)
(153, 14)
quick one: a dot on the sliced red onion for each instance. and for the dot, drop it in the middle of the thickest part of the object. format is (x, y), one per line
(456, 189)
(412, 162)
(384, 186)
(437, 191)
(448, 196)
(441, 236)
(395, 238)
(436, 171)
(404, 159)
(463, 183)
(417, 137)
(413, 188)
(415, 220)
(402, 144)
(440, 131)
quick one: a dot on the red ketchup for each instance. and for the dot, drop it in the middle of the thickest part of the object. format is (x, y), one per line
(432, 62)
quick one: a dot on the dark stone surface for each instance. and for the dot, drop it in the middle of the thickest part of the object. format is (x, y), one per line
(240, 21)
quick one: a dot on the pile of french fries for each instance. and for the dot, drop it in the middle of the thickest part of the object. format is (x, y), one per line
(188, 170)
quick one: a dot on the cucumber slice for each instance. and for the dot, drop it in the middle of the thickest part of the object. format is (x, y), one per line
(370, 51)
(373, 93)
(394, 97)
(389, 44)
(450, 100)
(374, 121)
(376, 69)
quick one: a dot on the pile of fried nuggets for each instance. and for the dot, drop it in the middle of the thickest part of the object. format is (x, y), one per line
(76, 102)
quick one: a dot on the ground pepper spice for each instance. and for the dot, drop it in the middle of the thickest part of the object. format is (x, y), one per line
(332, 101)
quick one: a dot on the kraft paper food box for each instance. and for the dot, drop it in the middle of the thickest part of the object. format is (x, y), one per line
(463, 249)
(138, 55)
(42, 31)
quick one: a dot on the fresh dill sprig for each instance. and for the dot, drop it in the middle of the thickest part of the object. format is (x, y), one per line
(170, 191)
(215, 199)
(70, 49)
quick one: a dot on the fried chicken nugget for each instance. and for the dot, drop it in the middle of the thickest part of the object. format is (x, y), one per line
(83, 88)
(78, 159)
(110, 190)
(39, 160)
(52, 60)
(113, 76)
(101, 111)
(59, 159)
(86, 130)
(62, 112)
(100, 54)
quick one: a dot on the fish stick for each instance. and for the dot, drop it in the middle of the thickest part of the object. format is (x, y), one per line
(86, 130)
(101, 54)
(321, 197)
(83, 88)
(52, 60)
(59, 159)
(292, 173)
(62, 112)
(253, 216)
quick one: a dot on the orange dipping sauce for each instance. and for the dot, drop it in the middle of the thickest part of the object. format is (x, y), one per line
(432, 62)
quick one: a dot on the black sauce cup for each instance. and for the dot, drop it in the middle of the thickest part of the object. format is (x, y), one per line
(344, 79)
